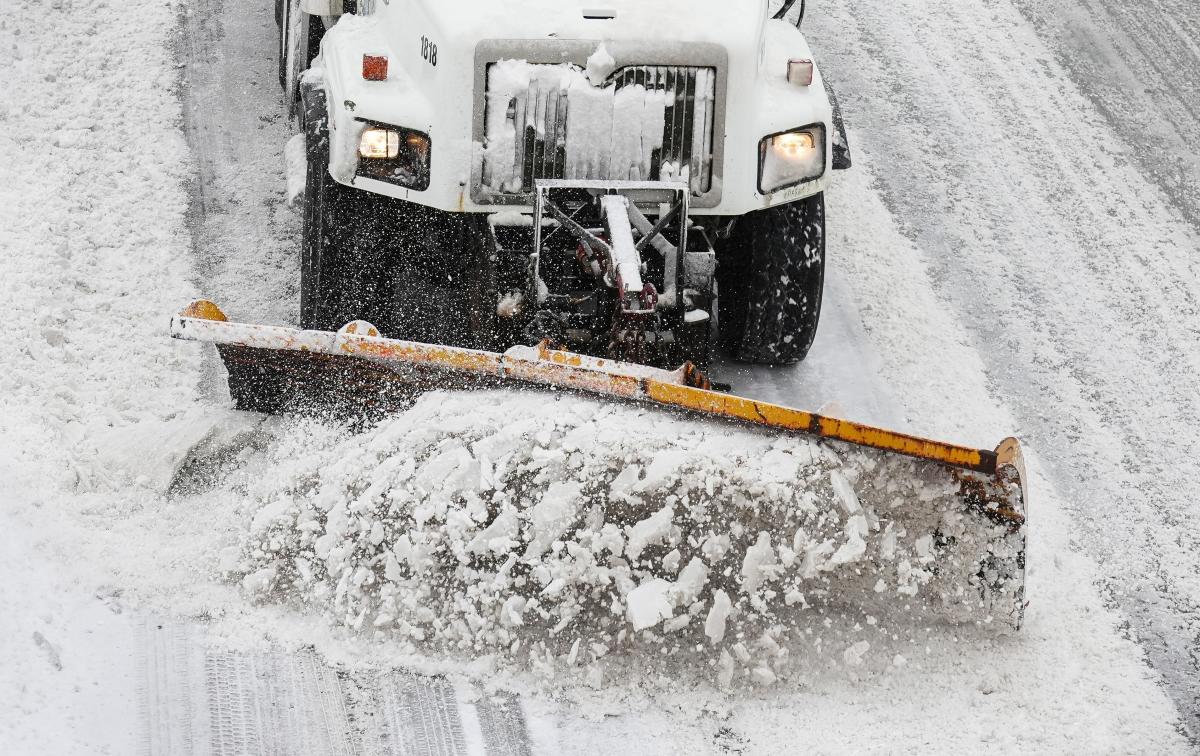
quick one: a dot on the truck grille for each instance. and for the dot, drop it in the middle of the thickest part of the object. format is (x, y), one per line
(646, 123)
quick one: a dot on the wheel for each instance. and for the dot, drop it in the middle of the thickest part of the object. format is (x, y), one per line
(414, 272)
(346, 242)
(348, 248)
(347, 271)
(316, 193)
(771, 274)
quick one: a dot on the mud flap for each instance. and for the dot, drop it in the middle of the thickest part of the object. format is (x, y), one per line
(841, 145)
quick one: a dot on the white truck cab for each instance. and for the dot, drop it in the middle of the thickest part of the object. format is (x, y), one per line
(713, 109)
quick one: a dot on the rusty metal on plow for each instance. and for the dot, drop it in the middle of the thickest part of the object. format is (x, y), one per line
(274, 369)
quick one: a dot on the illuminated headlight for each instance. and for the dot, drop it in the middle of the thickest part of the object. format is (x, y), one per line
(379, 144)
(395, 155)
(791, 158)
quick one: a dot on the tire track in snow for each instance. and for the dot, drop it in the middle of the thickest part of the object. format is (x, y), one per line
(396, 712)
(275, 704)
(414, 714)
(197, 699)
(166, 664)
(504, 727)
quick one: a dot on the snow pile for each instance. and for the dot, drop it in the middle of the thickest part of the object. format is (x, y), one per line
(560, 526)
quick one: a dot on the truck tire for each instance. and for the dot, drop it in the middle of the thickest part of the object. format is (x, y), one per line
(347, 271)
(771, 275)
(414, 272)
(346, 240)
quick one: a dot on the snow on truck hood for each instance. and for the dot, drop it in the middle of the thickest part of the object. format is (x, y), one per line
(690, 20)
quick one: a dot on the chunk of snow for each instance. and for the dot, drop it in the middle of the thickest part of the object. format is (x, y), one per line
(512, 612)
(715, 548)
(924, 548)
(511, 219)
(552, 516)
(844, 492)
(625, 481)
(600, 65)
(887, 544)
(853, 656)
(794, 597)
(760, 558)
(763, 675)
(663, 470)
(691, 582)
(649, 604)
(714, 624)
(509, 305)
(855, 547)
(500, 536)
(675, 624)
(649, 532)
(670, 562)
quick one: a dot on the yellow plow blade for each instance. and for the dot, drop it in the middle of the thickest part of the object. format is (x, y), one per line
(275, 369)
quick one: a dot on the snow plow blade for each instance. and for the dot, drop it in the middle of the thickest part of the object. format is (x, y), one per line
(975, 498)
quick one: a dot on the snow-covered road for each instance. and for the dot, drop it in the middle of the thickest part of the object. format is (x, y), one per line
(1057, 213)
(1013, 253)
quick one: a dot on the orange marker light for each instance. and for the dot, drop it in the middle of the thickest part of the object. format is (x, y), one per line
(375, 67)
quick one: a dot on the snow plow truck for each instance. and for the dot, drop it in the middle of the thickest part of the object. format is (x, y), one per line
(595, 197)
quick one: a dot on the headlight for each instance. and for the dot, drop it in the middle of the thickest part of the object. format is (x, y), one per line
(395, 155)
(380, 144)
(791, 158)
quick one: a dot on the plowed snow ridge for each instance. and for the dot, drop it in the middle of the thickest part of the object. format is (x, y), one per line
(561, 526)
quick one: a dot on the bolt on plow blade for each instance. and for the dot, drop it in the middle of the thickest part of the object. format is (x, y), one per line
(881, 521)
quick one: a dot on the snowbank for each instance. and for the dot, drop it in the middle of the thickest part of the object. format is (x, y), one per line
(534, 524)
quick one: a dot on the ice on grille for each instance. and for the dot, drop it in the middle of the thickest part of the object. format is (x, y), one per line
(585, 130)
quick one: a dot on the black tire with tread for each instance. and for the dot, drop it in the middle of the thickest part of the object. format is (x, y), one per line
(414, 272)
(771, 277)
(342, 270)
